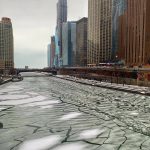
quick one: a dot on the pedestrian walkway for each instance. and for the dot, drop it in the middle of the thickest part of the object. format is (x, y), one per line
(120, 87)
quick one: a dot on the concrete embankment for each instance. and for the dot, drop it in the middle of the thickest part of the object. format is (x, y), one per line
(6, 81)
(112, 86)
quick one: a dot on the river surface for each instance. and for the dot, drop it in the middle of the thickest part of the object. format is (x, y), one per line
(48, 113)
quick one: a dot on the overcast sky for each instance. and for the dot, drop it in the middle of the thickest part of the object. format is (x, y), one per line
(34, 22)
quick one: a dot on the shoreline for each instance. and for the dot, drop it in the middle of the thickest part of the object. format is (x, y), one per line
(112, 86)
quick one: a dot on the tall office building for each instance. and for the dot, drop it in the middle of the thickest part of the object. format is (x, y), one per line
(134, 33)
(52, 51)
(81, 50)
(99, 31)
(61, 17)
(69, 44)
(73, 43)
(66, 47)
(6, 45)
(57, 52)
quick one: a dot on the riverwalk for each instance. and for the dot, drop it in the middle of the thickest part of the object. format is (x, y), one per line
(113, 86)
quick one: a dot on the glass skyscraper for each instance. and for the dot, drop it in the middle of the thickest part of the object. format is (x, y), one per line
(119, 7)
(69, 43)
(61, 17)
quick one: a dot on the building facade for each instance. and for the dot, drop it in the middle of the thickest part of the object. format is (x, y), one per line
(73, 43)
(66, 55)
(6, 45)
(81, 40)
(119, 7)
(52, 51)
(69, 43)
(99, 31)
(134, 33)
(57, 52)
(61, 17)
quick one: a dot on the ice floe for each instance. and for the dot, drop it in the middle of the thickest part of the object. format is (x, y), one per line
(41, 144)
(88, 134)
(23, 101)
(43, 103)
(72, 146)
(70, 116)
(13, 97)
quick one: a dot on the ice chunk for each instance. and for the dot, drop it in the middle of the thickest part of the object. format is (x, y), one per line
(23, 101)
(47, 102)
(41, 144)
(73, 146)
(70, 116)
(88, 134)
(13, 97)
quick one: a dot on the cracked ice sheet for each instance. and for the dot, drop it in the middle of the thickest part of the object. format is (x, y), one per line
(41, 144)
(70, 116)
(23, 101)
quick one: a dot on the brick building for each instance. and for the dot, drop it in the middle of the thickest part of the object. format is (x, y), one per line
(99, 31)
(6, 45)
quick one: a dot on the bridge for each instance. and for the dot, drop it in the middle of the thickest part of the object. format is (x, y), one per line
(47, 70)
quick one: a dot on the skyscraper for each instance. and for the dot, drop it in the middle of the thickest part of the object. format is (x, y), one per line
(57, 52)
(52, 51)
(61, 17)
(6, 45)
(69, 43)
(73, 43)
(81, 50)
(99, 31)
(134, 33)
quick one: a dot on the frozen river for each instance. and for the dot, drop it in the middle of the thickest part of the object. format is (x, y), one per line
(48, 113)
